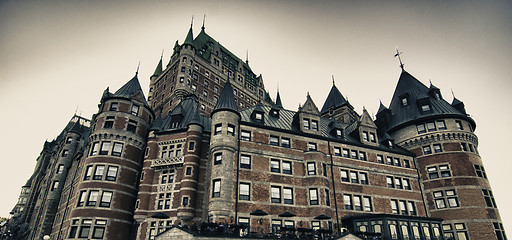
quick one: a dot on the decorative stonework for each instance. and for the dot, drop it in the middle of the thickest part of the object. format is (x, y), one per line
(164, 162)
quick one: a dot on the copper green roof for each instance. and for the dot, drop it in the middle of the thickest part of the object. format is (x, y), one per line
(190, 37)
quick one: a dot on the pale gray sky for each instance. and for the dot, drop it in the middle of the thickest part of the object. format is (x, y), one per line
(57, 56)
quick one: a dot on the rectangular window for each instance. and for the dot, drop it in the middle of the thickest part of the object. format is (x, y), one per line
(55, 185)
(362, 156)
(489, 198)
(287, 195)
(311, 146)
(311, 167)
(441, 125)
(365, 136)
(217, 158)
(216, 188)
(347, 199)
(337, 151)
(285, 142)
(357, 203)
(218, 129)
(480, 171)
(68, 140)
(245, 135)
(98, 172)
(81, 199)
(191, 146)
(274, 140)
(306, 124)
(427, 150)
(459, 125)
(353, 154)
(109, 122)
(372, 137)
(185, 201)
(188, 171)
(425, 108)
(111, 173)
(132, 126)
(60, 168)
(117, 149)
(437, 148)
(313, 196)
(327, 198)
(135, 110)
(407, 164)
(394, 206)
(287, 167)
(431, 126)
(231, 130)
(421, 128)
(114, 106)
(367, 203)
(389, 160)
(98, 232)
(380, 159)
(275, 166)
(314, 125)
(105, 148)
(406, 183)
(353, 177)
(106, 198)
(244, 191)
(346, 153)
(94, 149)
(275, 194)
(245, 161)
(93, 198)
(344, 175)
(84, 232)
(363, 177)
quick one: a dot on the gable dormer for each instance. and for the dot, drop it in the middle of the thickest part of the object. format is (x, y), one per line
(336, 129)
(308, 117)
(367, 129)
(258, 115)
(423, 103)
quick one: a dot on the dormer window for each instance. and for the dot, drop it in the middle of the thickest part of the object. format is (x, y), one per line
(425, 108)
(338, 133)
(404, 101)
(314, 125)
(258, 116)
(135, 110)
(372, 137)
(274, 113)
(306, 124)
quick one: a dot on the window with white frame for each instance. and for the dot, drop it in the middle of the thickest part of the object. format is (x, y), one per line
(446, 199)
(311, 168)
(245, 191)
(245, 161)
(313, 196)
(439, 171)
(216, 188)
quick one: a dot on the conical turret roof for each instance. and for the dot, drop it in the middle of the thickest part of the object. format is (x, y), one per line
(409, 97)
(131, 89)
(226, 100)
(278, 104)
(158, 69)
(190, 37)
(334, 99)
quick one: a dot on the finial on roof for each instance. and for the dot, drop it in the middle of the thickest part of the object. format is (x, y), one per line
(333, 79)
(453, 94)
(162, 56)
(399, 59)
(247, 56)
(137, 72)
(192, 21)
(204, 17)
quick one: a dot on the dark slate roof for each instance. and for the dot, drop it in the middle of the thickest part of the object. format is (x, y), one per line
(190, 37)
(158, 69)
(412, 88)
(334, 99)
(278, 104)
(226, 100)
(131, 89)
(381, 108)
(185, 113)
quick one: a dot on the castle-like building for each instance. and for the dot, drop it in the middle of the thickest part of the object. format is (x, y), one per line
(210, 145)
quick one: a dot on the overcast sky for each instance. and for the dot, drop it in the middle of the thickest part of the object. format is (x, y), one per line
(57, 57)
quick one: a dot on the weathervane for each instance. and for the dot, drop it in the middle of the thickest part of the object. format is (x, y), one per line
(399, 59)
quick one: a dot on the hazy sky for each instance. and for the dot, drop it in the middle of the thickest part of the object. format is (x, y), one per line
(59, 56)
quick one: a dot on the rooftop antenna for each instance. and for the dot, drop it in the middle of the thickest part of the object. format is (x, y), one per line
(204, 17)
(399, 59)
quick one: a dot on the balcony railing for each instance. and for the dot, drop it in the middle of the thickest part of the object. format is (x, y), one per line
(167, 162)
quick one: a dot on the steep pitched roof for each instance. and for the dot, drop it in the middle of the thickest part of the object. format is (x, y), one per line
(309, 106)
(184, 114)
(334, 99)
(190, 37)
(278, 104)
(131, 89)
(381, 108)
(158, 69)
(416, 92)
(226, 100)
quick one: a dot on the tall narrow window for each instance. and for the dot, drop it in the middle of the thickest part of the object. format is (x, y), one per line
(98, 172)
(367, 202)
(285, 142)
(135, 110)
(347, 199)
(94, 149)
(132, 126)
(106, 198)
(216, 188)
(117, 149)
(114, 106)
(275, 165)
(217, 158)
(245, 161)
(306, 124)
(287, 167)
(314, 125)
(60, 168)
(275, 194)
(313, 196)
(311, 167)
(287, 195)
(93, 198)
(111, 173)
(55, 185)
(459, 125)
(244, 191)
(231, 130)
(218, 129)
(81, 198)
(105, 148)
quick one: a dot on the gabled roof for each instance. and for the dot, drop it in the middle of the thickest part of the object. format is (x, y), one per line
(334, 99)
(309, 106)
(226, 100)
(184, 114)
(412, 89)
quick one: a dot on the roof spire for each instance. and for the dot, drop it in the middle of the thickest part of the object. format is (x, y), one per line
(192, 21)
(332, 79)
(204, 17)
(399, 59)
(137, 72)
(247, 56)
